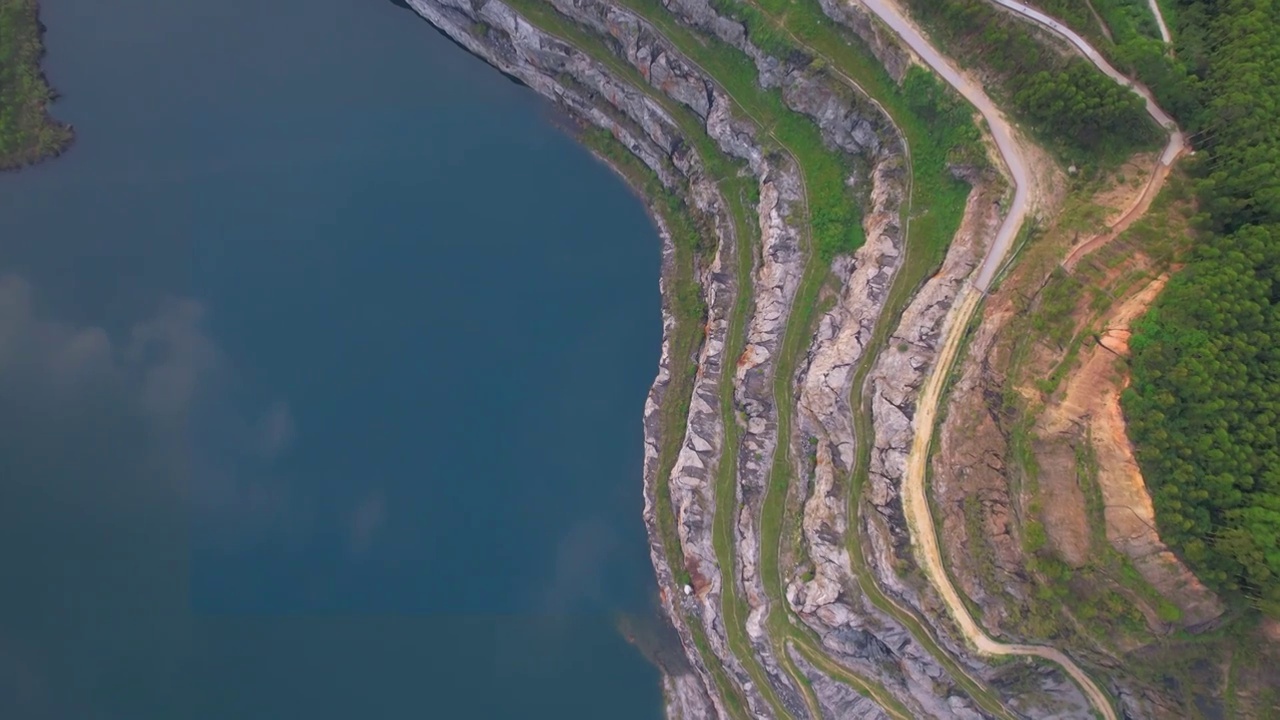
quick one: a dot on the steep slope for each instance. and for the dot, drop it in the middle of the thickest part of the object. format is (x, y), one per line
(835, 197)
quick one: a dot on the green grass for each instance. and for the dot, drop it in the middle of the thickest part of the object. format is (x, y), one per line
(1128, 17)
(835, 218)
(939, 129)
(27, 133)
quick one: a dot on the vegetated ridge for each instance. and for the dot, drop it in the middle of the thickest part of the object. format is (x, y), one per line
(27, 132)
(1204, 407)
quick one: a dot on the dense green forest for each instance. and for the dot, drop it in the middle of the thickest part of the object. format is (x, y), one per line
(1080, 104)
(27, 133)
(1072, 105)
(1204, 407)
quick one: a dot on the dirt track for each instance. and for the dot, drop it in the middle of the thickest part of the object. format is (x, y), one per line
(914, 491)
(915, 505)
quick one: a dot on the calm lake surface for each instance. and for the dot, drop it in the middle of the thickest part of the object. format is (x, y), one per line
(322, 361)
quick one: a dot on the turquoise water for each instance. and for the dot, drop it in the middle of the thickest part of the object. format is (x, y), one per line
(322, 361)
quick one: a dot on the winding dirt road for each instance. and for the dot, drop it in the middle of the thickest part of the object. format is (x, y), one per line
(893, 16)
(914, 498)
(916, 507)
(914, 493)
(1176, 139)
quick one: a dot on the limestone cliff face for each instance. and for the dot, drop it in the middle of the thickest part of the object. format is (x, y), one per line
(851, 628)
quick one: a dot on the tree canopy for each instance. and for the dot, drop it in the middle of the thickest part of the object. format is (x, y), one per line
(1204, 407)
(1078, 110)
(1081, 105)
(27, 133)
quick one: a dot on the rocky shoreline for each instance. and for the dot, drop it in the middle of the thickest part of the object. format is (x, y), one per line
(634, 82)
(586, 89)
(546, 65)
